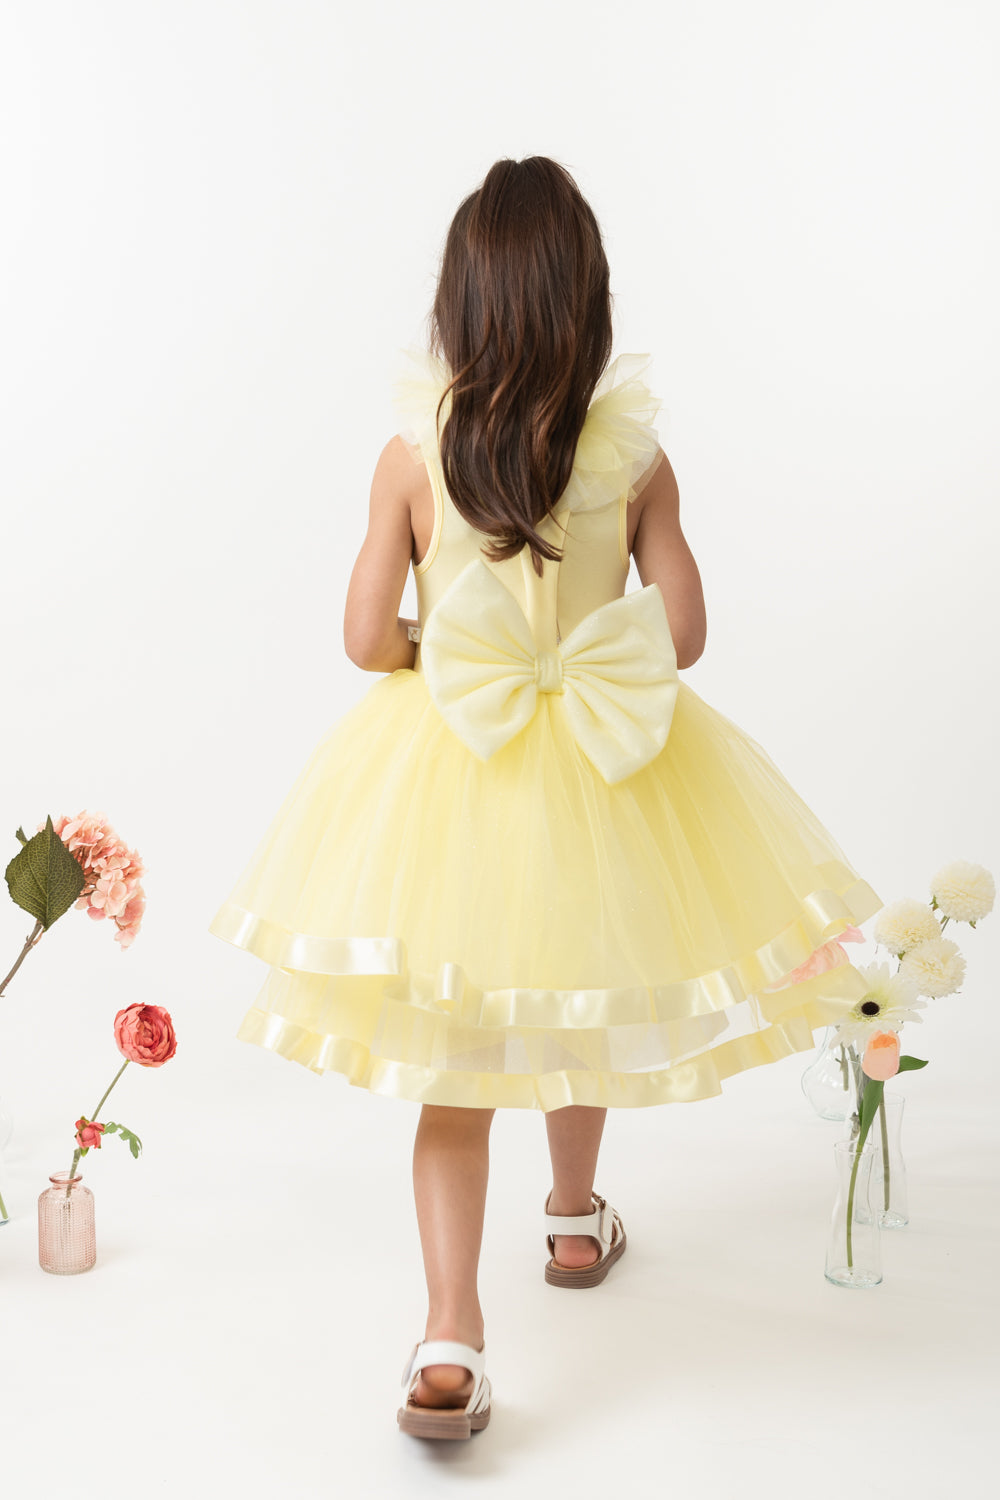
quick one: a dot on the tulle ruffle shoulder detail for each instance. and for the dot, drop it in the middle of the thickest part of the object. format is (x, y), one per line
(416, 390)
(618, 447)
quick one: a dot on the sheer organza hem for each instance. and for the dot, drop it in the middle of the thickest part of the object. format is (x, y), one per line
(697, 1078)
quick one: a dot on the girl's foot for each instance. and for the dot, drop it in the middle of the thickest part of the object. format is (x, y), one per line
(575, 1250)
(446, 1385)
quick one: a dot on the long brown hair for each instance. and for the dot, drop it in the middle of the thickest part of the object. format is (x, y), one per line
(522, 317)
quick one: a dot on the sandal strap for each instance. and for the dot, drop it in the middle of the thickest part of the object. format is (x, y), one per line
(449, 1352)
(603, 1224)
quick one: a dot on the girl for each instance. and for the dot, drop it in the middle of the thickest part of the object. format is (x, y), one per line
(531, 868)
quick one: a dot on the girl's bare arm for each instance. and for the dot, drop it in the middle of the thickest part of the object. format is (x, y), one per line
(375, 636)
(662, 556)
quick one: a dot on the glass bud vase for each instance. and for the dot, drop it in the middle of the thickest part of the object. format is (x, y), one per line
(827, 1082)
(6, 1130)
(854, 1252)
(889, 1196)
(66, 1241)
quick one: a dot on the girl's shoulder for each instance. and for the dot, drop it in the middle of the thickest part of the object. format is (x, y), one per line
(618, 447)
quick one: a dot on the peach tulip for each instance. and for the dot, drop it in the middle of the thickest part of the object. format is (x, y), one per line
(881, 1059)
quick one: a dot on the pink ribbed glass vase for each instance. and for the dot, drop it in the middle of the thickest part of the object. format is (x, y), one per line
(66, 1241)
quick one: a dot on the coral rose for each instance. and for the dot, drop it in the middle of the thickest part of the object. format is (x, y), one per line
(881, 1059)
(88, 1133)
(145, 1034)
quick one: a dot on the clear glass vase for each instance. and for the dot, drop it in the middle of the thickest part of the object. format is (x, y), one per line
(853, 1251)
(889, 1196)
(6, 1130)
(66, 1241)
(827, 1082)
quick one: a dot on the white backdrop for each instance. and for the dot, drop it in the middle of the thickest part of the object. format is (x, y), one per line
(220, 223)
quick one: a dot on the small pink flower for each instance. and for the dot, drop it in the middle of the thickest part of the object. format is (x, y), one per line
(145, 1034)
(88, 1133)
(881, 1059)
(829, 956)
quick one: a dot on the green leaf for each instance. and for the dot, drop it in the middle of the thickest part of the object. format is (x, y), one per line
(20, 834)
(110, 1129)
(134, 1143)
(870, 1101)
(44, 878)
(907, 1064)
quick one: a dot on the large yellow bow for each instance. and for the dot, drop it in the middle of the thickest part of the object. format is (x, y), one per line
(616, 671)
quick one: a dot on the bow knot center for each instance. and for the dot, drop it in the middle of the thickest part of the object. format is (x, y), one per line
(549, 672)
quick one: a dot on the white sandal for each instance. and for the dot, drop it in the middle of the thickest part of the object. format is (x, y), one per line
(445, 1421)
(604, 1225)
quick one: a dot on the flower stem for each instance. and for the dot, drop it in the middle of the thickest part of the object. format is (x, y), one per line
(3, 1211)
(885, 1152)
(110, 1086)
(33, 937)
(850, 1202)
(97, 1111)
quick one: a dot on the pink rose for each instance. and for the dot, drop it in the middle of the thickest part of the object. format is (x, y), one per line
(88, 1133)
(881, 1059)
(145, 1034)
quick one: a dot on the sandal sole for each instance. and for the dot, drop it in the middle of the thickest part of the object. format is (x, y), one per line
(440, 1422)
(583, 1276)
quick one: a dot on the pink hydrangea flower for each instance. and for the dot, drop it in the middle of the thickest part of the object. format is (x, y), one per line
(112, 872)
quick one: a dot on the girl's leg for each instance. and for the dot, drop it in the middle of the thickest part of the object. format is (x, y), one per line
(450, 1172)
(574, 1142)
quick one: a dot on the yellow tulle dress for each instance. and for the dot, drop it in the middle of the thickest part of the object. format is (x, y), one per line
(536, 869)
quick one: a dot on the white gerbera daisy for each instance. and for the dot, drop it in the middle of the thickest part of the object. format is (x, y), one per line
(936, 968)
(963, 891)
(906, 923)
(888, 1001)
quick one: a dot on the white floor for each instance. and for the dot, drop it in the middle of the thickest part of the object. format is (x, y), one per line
(258, 1288)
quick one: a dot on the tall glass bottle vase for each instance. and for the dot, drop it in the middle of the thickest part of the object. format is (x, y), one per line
(853, 1251)
(6, 1130)
(889, 1195)
(66, 1240)
(827, 1082)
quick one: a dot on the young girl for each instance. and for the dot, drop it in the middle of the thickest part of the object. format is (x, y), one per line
(531, 869)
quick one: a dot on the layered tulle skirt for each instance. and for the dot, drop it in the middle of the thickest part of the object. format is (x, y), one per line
(519, 932)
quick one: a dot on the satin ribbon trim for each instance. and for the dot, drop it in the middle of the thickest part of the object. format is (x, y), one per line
(683, 1082)
(450, 991)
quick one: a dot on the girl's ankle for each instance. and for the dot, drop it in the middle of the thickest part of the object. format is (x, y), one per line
(569, 1207)
(456, 1330)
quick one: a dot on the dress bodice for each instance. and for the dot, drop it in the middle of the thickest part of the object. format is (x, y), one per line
(618, 450)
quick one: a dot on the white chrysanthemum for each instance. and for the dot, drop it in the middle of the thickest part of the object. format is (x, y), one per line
(935, 968)
(906, 923)
(963, 891)
(888, 1001)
